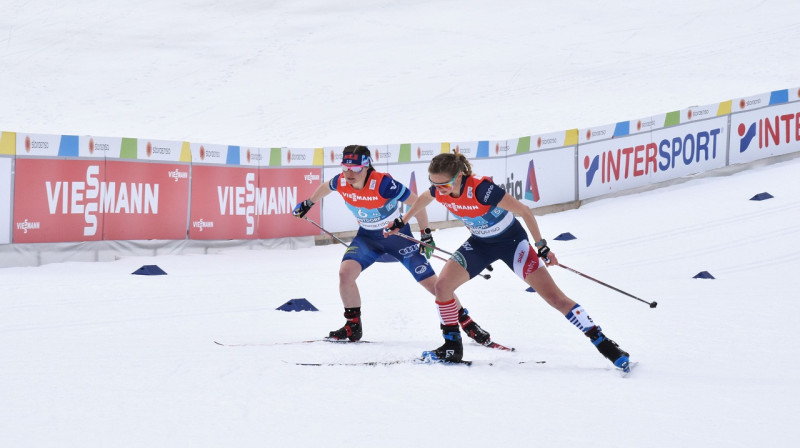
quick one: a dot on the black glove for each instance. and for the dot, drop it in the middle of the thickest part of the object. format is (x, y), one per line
(396, 225)
(427, 248)
(542, 249)
(302, 208)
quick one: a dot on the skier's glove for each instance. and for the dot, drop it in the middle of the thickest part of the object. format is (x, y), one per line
(542, 249)
(426, 238)
(396, 225)
(302, 208)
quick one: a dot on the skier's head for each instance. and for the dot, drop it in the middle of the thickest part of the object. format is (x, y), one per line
(355, 158)
(447, 171)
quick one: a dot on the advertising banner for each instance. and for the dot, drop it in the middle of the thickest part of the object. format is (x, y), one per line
(297, 157)
(5, 198)
(61, 200)
(416, 152)
(57, 200)
(223, 202)
(279, 191)
(765, 132)
(141, 201)
(8, 149)
(543, 177)
(163, 151)
(626, 162)
(237, 202)
(8, 143)
(46, 145)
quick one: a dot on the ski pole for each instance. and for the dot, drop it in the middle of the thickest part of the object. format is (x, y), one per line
(486, 276)
(488, 268)
(329, 233)
(652, 304)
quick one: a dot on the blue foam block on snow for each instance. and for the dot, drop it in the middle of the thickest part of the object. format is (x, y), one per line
(761, 197)
(149, 269)
(703, 274)
(297, 305)
(565, 237)
(530, 289)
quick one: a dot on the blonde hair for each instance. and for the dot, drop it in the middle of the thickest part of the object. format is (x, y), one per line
(450, 164)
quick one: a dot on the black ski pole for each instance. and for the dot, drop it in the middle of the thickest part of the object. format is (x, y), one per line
(652, 304)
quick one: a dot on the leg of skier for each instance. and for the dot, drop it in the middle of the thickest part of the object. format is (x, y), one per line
(349, 271)
(470, 327)
(544, 284)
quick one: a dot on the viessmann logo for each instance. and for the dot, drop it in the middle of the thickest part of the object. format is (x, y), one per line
(777, 130)
(311, 177)
(249, 200)
(28, 225)
(202, 224)
(641, 160)
(92, 197)
(178, 174)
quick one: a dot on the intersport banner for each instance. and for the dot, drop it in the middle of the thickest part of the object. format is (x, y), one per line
(59, 200)
(768, 126)
(622, 162)
(239, 202)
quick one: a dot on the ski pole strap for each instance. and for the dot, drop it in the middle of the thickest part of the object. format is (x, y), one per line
(397, 224)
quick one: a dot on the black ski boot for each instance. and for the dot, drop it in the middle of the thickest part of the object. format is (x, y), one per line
(472, 329)
(608, 348)
(451, 351)
(352, 328)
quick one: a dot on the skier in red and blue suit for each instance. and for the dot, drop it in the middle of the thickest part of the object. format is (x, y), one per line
(375, 200)
(488, 212)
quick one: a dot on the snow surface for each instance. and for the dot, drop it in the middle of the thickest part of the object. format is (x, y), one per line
(93, 356)
(311, 73)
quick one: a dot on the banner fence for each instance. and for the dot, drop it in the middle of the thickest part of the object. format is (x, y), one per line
(66, 188)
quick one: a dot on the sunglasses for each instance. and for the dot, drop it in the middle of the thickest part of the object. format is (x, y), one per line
(354, 168)
(447, 184)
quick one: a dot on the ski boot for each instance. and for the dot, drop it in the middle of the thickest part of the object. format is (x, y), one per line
(352, 328)
(472, 329)
(451, 351)
(608, 348)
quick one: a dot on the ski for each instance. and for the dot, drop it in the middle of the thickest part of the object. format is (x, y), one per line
(385, 363)
(310, 341)
(410, 361)
(497, 346)
(492, 345)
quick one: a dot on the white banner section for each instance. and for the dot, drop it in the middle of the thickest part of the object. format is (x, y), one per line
(5, 199)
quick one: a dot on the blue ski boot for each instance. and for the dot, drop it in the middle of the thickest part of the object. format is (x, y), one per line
(608, 348)
(451, 351)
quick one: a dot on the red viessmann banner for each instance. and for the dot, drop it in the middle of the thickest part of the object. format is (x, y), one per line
(234, 202)
(145, 201)
(58, 200)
